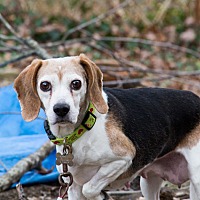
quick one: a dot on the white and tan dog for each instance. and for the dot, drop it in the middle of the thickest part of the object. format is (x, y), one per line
(150, 132)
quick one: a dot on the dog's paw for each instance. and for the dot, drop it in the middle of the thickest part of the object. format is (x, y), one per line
(91, 192)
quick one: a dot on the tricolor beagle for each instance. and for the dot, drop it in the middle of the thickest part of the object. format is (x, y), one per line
(151, 132)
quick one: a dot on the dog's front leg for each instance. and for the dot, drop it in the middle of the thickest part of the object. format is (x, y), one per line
(106, 174)
(75, 192)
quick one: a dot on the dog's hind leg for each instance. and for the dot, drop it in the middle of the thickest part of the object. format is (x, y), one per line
(194, 173)
(150, 186)
(193, 195)
(192, 156)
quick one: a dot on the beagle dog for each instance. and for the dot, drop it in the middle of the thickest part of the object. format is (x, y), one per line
(151, 132)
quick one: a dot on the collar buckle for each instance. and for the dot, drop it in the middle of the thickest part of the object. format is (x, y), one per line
(89, 120)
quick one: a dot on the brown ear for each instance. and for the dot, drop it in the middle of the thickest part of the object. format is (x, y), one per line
(25, 86)
(94, 78)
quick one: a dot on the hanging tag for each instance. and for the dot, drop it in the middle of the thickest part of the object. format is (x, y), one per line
(64, 159)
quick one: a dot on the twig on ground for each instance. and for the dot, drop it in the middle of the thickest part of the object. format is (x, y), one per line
(24, 165)
(20, 192)
(19, 188)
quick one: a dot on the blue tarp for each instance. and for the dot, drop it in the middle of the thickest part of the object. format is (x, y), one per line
(19, 138)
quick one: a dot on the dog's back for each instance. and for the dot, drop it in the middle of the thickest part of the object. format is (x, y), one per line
(156, 120)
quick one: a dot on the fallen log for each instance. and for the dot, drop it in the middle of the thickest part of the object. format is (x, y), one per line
(32, 161)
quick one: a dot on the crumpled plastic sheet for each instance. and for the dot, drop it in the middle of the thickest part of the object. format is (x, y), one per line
(19, 138)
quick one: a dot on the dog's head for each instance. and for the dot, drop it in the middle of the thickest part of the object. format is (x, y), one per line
(60, 86)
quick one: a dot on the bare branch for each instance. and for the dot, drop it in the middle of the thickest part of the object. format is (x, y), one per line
(49, 45)
(185, 81)
(185, 73)
(123, 62)
(138, 66)
(153, 43)
(96, 19)
(164, 76)
(7, 38)
(42, 53)
(5, 49)
(162, 11)
(24, 165)
(20, 57)
(135, 80)
(10, 48)
(9, 27)
(65, 43)
(32, 44)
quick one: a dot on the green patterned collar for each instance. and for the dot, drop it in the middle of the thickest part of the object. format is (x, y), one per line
(87, 124)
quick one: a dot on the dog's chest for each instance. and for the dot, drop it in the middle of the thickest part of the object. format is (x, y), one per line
(90, 152)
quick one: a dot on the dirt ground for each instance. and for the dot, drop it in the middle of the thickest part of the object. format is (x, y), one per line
(50, 192)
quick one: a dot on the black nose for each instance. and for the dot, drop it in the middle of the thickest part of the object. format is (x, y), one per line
(61, 109)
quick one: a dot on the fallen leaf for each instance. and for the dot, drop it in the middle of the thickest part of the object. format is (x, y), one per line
(189, 21)
(188, 36)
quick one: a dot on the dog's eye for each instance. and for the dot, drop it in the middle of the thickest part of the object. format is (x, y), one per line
(75, 85)
(45, 86)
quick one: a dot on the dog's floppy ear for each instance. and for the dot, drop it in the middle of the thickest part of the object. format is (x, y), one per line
(25, 86)
(94, 78)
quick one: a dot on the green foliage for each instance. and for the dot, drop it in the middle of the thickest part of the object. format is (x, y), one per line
(197, 64)
(48, 36)
(180, 65)
(175, 16)
(2, 7)
(131, 46)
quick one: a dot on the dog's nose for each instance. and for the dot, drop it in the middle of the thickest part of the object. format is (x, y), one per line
(61, 109)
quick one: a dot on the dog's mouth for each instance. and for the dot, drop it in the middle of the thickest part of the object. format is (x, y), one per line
(62, 122)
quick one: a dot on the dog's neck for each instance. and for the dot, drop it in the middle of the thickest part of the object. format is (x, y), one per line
(64, 130)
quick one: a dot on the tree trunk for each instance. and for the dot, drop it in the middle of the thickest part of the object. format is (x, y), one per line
(197, 12)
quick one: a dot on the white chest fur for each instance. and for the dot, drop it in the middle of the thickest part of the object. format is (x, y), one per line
(90, 152)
